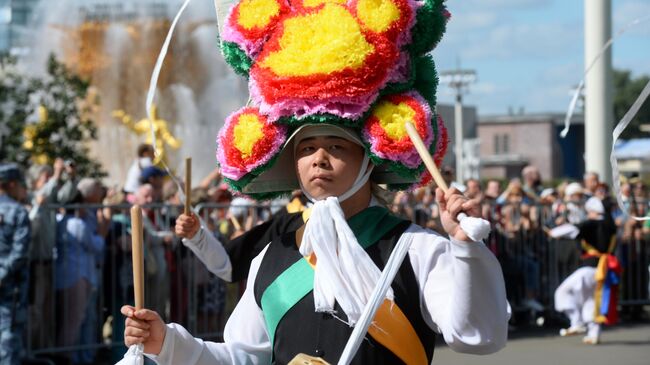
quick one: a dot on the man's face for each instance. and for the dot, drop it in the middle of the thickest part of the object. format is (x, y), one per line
(473, 188)
(16, 190)
(157, 182)
(591, 182)
(148, 153)
(493, 189)
(576, 198)
(96, 196)
(601, 193)
(20, 193)
(327, 166)
(42, 179)
(144, 195)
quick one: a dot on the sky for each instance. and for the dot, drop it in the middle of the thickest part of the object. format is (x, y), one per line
(530, 53)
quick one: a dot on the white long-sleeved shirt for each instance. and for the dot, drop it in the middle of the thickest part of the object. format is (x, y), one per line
(462, 296)
(211, 253)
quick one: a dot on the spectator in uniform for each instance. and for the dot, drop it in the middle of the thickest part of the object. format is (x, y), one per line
(14, 266)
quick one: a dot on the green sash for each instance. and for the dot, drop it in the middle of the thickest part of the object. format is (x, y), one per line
(295, 282)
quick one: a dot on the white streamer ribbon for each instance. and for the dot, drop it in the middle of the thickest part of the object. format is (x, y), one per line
(620, 127)
(151, 93)
(576, 95)
(153, 83)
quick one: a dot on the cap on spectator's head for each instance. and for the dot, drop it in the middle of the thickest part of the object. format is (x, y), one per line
(10, 172)
(547, 192)
(87, 186)
(595, 205)
(239, 207)
(149, 172)
(573, 188)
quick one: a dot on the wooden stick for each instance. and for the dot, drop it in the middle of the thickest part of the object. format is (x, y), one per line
(137, 255)
(188, 185)
(235, 223)
(426, 157)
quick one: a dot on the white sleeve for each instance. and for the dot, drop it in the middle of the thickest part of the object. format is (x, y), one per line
(246, 340)
(462, 291)
(211, 253)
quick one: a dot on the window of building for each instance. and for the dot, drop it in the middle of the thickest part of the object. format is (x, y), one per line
(501, 144)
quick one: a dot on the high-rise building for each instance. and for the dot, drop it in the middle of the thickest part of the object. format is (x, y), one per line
(15, 18)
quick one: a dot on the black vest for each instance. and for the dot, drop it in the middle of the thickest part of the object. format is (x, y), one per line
(302, 330)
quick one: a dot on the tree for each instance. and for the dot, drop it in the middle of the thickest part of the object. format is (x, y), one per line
(14, 98)
(47, 118)
(626, 91)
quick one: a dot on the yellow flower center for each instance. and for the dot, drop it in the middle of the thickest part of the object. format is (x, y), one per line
(377, 15)
(315, 3)
(247, 133)
(257, 13)
(320, 43)
(393, 117)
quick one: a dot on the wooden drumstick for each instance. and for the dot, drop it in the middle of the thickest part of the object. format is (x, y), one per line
(235, 223)
(476, 229)
(426, 157)
(137, 255)
(188, 185)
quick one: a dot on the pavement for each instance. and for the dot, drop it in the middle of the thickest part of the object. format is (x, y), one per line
(624, 344)
(627, 344)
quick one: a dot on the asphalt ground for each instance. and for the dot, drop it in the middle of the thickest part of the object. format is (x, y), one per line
(625, 344)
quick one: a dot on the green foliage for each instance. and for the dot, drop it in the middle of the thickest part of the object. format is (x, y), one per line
(45, 118)
(14, 97)
(626, 91)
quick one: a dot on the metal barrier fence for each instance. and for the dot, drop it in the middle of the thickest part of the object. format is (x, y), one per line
(76, 295)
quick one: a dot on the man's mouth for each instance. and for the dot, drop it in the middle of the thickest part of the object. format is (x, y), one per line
(321, 177)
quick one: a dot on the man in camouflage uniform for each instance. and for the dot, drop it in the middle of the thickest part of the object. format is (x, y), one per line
(14, 269)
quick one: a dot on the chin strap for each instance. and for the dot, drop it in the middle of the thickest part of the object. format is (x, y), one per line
(361, 180)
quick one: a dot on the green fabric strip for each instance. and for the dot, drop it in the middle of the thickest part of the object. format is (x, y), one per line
(294, 283)
(371, 224)
(284, 292)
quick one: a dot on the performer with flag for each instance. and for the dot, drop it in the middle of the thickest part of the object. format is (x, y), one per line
(333, 85)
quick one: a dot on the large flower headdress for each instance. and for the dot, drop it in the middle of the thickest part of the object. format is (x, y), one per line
(361, 64)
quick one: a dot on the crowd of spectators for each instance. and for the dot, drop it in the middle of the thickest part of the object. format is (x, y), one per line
(80, 265)
(522, 216)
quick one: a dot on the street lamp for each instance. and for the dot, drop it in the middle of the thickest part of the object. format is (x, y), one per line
(459, 80)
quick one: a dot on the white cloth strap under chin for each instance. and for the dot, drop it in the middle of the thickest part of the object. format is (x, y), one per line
(344, 272)
(361, 180)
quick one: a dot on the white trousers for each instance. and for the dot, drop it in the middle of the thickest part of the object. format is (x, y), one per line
(575, 298)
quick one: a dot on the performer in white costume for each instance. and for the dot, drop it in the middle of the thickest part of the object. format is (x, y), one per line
(332, 88)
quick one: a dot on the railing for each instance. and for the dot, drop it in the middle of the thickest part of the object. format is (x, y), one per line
(75, 296)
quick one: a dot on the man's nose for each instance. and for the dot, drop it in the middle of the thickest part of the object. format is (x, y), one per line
(320, 158)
